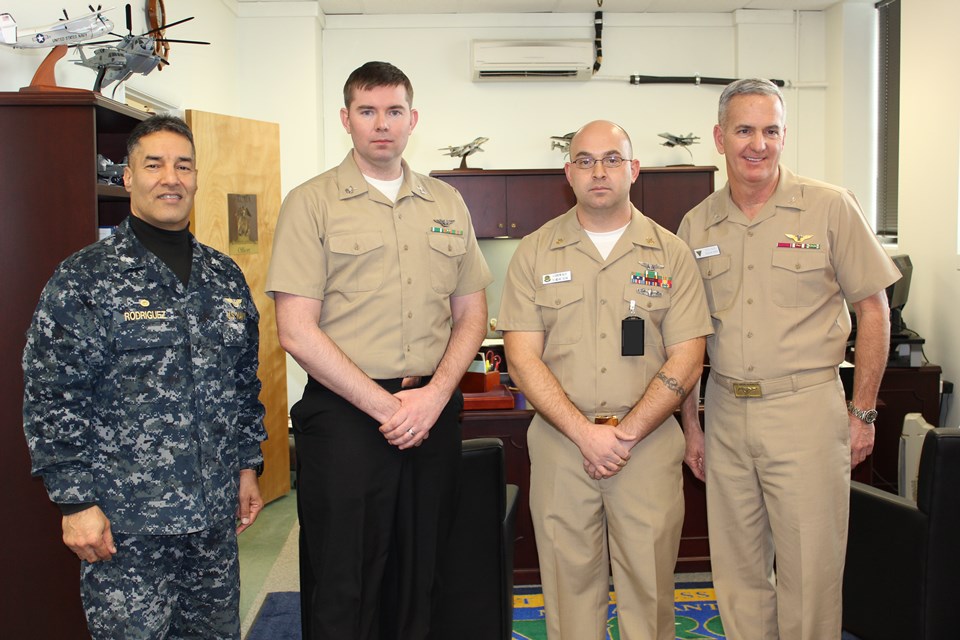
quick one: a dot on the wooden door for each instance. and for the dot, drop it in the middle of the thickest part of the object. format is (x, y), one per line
(235, 211)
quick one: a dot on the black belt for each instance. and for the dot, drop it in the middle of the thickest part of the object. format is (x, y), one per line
(409, 382)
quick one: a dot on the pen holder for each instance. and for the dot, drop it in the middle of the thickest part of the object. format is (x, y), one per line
(473, 382)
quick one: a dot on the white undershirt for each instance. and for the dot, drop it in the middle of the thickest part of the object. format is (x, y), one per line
(389, 188)
(604, 241)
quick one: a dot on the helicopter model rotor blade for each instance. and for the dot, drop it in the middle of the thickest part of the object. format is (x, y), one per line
(182, 41)
(167, 26)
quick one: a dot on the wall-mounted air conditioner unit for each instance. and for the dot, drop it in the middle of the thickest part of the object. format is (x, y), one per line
(516, 60)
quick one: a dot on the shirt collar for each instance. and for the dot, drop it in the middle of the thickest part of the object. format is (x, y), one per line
(351, 183)
(639, 231)
(788, 194)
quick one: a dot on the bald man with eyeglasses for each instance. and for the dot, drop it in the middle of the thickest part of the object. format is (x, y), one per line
(604, 321)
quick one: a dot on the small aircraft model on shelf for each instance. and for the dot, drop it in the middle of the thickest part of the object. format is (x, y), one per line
(680, 141)
(133, 54)
(464, 150)
(68, 31)
(562, 142)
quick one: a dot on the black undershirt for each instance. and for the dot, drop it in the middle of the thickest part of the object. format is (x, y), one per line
(174, 250)
(172, 247)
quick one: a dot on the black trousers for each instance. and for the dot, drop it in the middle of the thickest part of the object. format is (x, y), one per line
(372, 519)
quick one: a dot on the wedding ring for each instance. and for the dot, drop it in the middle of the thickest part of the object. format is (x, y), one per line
(411, 432)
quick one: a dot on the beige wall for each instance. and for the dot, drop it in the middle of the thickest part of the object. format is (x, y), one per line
(929, 170)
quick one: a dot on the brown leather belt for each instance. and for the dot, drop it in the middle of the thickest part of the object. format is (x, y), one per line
(610, 420)
(761, 388)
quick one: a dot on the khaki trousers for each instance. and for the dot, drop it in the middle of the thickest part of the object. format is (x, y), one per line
(778, 488)
(640, 512)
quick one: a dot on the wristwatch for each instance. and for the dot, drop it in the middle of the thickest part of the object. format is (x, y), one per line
(866, 415)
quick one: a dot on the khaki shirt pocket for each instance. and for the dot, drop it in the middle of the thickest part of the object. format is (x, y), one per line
(652, 308)
(797, 277)
(446, 253)
(718, 282)
(356, 262)
(561, 308)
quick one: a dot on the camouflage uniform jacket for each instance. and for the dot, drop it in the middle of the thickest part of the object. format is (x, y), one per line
(140, 393)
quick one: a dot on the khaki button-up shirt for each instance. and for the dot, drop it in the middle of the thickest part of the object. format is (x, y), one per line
(776, 284)
(557, 283)
(384, 271)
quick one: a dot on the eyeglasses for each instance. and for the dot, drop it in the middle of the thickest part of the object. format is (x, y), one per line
(609, 162)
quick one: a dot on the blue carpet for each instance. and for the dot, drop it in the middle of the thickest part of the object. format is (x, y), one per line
(279, 617)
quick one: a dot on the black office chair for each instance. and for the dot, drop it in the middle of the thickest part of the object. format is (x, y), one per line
(477, 578)
(903, 559)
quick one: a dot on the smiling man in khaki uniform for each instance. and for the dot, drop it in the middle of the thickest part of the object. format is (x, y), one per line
(379, 285)
(779, 254)
(604, 315)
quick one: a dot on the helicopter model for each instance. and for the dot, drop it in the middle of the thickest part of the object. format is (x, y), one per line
(67, 31)
(133, 54)
(562, 142)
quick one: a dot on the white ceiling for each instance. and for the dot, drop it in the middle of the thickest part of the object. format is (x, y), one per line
(370, 7)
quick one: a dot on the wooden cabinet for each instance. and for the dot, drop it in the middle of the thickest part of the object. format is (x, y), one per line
(51, 206)
(514, 203)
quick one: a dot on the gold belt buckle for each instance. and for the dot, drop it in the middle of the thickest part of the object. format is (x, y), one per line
(747, 390)
(610, 420)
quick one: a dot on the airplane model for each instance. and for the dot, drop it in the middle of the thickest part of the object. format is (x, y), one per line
(133, 54)
(562, 142)
(68, 31)
(464, 150)
(680, 141)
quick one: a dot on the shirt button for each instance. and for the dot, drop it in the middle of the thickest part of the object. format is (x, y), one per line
(408, 348)
(749, 334)
(603, 369)
(649, 305)
(749, 300)
(557, 302)
(602, 336)
(603, 404)
(750, 368)
(749, 267)
(797, 266)
(409, 314)
(409, 280)
(406, 248)
(603, 302)
(749, 234)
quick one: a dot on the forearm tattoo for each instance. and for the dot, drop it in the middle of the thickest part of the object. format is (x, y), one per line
(672, 383)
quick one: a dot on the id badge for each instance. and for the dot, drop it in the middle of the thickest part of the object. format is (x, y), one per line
(631, 336)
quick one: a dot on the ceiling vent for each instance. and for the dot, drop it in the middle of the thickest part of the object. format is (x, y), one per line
(527, 60)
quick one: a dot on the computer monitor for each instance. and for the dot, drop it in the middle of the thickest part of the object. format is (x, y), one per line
(897, 293)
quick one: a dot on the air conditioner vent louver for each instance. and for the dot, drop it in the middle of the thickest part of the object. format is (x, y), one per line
(533, 60)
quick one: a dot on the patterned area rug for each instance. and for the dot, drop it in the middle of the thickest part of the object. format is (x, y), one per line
(695, 606)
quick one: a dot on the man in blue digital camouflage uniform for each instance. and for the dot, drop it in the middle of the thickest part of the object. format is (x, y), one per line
(141, 408)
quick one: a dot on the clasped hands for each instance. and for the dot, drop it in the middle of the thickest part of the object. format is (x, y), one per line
(418, 411)
(605, 449)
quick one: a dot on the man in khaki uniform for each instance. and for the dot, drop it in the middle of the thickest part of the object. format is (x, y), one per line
(379, 287)
(604, 316)
(779, 255)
